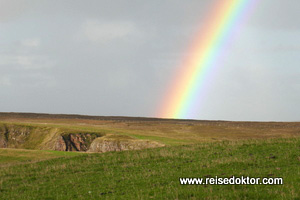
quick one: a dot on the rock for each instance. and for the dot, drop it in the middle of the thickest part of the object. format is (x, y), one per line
(3, 142)
(78, 141)
(13, 136)
(30, 137)
(115, 143)
(60, 144)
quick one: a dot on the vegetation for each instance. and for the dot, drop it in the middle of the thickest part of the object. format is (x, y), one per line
(11, 157)
(169, 132)
(192, 149)
(154, 173)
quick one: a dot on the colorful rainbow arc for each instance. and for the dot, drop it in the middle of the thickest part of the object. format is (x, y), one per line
(207, 49)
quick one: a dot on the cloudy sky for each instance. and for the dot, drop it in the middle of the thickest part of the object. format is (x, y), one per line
(103, 57)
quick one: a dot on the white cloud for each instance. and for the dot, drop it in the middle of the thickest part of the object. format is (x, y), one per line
(34, 42)
(96, 31)
(26, 62)
(37, 80)
(23, 60)
(5, 81)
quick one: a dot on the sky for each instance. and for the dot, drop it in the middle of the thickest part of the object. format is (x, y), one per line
(116, 58)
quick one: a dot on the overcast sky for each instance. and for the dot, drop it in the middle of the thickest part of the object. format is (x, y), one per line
(116, 58)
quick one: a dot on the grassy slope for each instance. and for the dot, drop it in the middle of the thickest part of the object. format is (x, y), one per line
(154, 173)
(10, 157)
(172, 132)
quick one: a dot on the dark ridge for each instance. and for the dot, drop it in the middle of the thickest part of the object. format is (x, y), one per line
(75, 116)
(13, 115)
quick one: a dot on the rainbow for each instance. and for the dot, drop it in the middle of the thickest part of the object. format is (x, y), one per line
(185, 92)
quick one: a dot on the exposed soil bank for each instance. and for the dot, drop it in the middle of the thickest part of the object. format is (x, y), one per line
(120, 143)
(47, 138)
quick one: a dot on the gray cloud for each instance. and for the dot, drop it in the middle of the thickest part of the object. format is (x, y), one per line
(12, 9)
(117, 58)
(96, 31)
(277, 15)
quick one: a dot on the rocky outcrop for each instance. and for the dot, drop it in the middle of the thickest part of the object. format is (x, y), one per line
(3, 142)
(47, 138)
(13, 136)
(78, 141)
(60, 144)
(117, 143)
(3, 137)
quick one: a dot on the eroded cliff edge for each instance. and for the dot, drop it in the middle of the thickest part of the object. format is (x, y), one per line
(49, 138)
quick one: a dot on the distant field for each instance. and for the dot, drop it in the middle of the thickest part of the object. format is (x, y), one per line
(167, 131)
(154, 173)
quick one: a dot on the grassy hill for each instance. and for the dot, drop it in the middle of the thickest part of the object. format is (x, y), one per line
(154, 173)
(192, 149)
(11, 157)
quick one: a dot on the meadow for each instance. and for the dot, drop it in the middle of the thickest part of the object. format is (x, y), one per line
(192, 149)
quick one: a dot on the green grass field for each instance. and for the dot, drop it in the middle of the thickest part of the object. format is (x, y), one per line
(30, 169)
(9, 157)
(154, 173)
